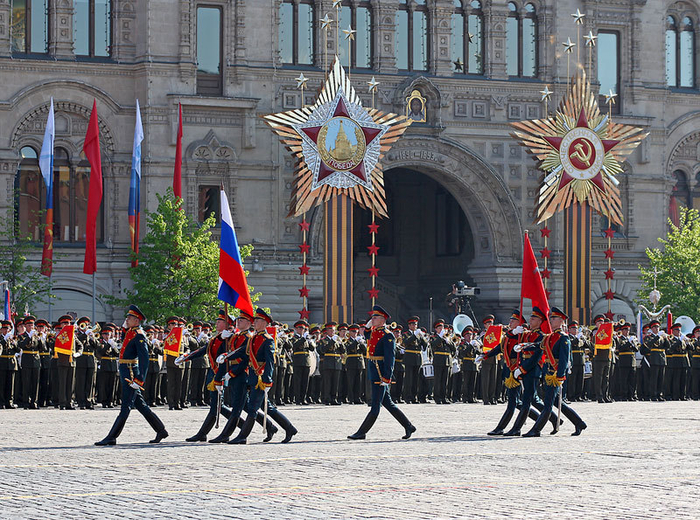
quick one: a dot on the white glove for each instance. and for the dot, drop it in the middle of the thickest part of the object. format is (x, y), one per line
(518, 330)
(220, 359)
(220, 389)
(32, 332)
(227, 377)
(518, 347)
(517, 373)
(124, 325)
(179, 360)
(134, 385)
(388, 385)
(8, 336)
(368, 325)
(77, 355)
(226, 334)
(478, 358)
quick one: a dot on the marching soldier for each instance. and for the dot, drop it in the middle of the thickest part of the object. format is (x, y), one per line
(468, 352)
(109, 366)
(626, 350)
(655, 346)
(133, 366)
(678, 363)
(8, 365)
(579, 344)
(330, 350)
(442, 350)
(30, 344)
(414, 343)
(355, 364)
(85, 365)
(381, 351)
(301, 361)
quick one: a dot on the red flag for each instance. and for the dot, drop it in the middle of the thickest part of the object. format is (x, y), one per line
(177, 178)
(91, 148)
(532, 286)
(669, 322)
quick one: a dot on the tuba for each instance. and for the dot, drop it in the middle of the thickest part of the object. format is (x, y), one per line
(460, 322)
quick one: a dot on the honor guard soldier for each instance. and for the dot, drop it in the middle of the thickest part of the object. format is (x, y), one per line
(133, 367)
(355, 364)
(579, 344)
(282, 354)
(42, 327)
(301, 361)
(259, 359)
(53, 376)
(655, 346)
(30, 344)
(489, 368)
(200, 366)
(442, 349)
(330, 350)
(627, 348)
(155, 353)
(414, 343)
(67, 348)
(85, 365)
(314, 391)
(601, 365)
(8, 365)
(173, 347)
(554, 352)
(399, 368)
(468, 352)
(678, 363)
(108, 351)
(381, 349)
(189, 344)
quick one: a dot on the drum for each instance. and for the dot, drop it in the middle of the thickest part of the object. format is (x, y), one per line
(428, 371)
(314, 369)
(455, 367)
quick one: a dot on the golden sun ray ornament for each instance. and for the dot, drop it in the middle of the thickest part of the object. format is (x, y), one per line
(339, 145)
(580, 151)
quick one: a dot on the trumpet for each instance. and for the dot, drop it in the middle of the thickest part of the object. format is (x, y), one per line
(190, 327)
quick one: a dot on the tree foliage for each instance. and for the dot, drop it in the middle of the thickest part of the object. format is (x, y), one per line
(678, 267)
(178, 269)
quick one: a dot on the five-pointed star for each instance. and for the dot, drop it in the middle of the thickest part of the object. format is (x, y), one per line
(336, 3)
(555, 142)
(373, 84)
(568, 45)
(610, 97)
(578, 17)
(590, 39)
(458, 64)
(349, 33)
(301, 81)
(546, 93)
(326, 22)
(470, 37)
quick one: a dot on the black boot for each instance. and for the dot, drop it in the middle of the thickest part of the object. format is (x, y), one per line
(505, 419)
(245, 431)
(227, 431)
(116, 430)
(157, 425)
(403, 421)
(289, 429)
(364, 427)
(519, 421)
(270, 428)
(207, 425)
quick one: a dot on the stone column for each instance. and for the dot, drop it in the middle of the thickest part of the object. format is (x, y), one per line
(441, 16)
(385, 37)
(495, 29)
(61, 29)
(124, 33)
(5, 15)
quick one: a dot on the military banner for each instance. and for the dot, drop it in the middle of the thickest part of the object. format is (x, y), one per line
(65, 341)
(173, 342)
(604, 336)
(492, 338)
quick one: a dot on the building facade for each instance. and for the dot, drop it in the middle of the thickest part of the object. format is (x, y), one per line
(460, 190)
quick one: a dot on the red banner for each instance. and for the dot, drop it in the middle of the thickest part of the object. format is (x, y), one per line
(172, 344)
(604, 336)
(492, 337)
(91, 147)
(65, 341)
(177, 176)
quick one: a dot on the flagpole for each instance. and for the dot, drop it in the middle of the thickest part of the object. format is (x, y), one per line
(50, 304)
(93, 297)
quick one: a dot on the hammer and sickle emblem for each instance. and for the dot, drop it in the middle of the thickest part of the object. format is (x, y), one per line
(584, 157)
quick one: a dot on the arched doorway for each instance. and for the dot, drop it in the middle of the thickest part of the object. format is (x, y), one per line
(425, 246)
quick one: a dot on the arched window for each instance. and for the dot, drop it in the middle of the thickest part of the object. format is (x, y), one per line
(296, 32)
(468, 37)
(521, 41)
(680, 52)
(29, 33)
(71, 186)
(680, 196)
(92, 28)
(359, 17)
(412, 42)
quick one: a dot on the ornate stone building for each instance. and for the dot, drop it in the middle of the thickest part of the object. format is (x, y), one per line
(460, 189)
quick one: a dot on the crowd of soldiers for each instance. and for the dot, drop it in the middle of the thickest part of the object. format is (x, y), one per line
(329, 365)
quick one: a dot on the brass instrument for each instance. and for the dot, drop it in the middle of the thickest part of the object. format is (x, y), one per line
(83, 326)
(190, 327)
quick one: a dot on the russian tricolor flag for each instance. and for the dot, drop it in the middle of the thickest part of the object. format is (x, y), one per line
(233, 287)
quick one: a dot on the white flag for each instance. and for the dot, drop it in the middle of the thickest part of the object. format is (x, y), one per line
(46, 155)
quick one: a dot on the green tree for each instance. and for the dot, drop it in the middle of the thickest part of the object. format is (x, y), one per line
(178, 269)
(678, 266)
(28, 287)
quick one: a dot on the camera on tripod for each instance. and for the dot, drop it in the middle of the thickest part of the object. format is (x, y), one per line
(461, 289)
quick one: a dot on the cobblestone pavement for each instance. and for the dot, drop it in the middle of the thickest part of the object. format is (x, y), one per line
(635, 460)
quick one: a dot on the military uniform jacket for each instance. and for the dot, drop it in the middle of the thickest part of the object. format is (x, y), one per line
(282, 358)
(578, 350)
(626, 349)
(380, 354)
(694, 347)
(556, 350)
(135, 348)
(677, 352)
(90, 346)
(301, 347)
(467, 355)
(8, 349)
(442, 350)
(506, 347)
(398, 357)
(529, 357)
(331, 351)
(211, 350)
(356, 353)
(199, 361)
(413, 346)
(257, 358)
(30, 350)
(184, 349)
(109, 356)
(655, 349)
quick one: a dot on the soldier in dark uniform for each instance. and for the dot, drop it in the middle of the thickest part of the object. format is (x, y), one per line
(199, 366)
(281, 365)
(19, 330)
(66, 364)
(626, 349)
(554, 353)
(85, 365)
(399, 368)
(579, 344)
(468, 352)
(133, 366)
(643, 372)
(301, 361)
(53, 374)
(174, 372)
(30, 344)
(601, 365)
(315, 380)
(289, 375)
(330, 350)
(189, 344)
(694, 350)
(442, 349)
(414, 343)
(381, 349)
(677, 358)
(109, 365)
(42, 327)
(355, 364)
(155, 352)
(8, 365)
(489, 369)
(655, 346)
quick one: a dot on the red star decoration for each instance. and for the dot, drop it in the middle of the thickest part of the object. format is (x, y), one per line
(609, 253)
(610, 315)
(304, 225)
(555, 142)
(373, 249)
(373, 292)
(546, 273)
(373, 271)
(545, 253)
(304, 248)
(373, 228)
(304, 292)
(370, 134)
(303, 314)
(609, 274)
(609, 233)
(545, 231)
(304, 269)
(609, 295)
